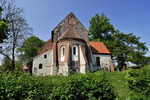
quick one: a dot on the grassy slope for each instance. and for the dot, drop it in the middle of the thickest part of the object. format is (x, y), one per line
(119, 82)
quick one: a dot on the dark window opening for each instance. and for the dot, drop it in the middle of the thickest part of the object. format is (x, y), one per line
(74, 50)
(45, 56)
(40, 66)
(98, 61)
(63, 51)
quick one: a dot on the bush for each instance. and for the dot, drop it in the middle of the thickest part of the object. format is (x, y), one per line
(139, 83)
(16, 86)
(81, 87)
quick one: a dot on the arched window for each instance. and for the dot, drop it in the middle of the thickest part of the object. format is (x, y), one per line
(74, 53)
(40, 66)
(62, 53)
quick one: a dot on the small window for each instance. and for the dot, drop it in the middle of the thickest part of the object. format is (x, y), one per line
(74, 50)
(62, 53)
(98, 61)
(45, 56)
(40, 66)
(74, 53)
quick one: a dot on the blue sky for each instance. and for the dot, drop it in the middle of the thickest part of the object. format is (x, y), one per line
(126, 15)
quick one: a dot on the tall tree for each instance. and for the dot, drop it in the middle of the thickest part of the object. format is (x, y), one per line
(100, 28)
(29, 49)
(18, 29)
(123, 47)
(127, 48)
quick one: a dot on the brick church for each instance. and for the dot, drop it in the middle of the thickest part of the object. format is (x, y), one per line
(69, 51)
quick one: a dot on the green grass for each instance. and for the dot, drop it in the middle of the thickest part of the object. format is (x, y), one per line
(119, 82)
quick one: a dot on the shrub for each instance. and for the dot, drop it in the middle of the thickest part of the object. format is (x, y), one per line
(18, 86)
(139, 83)
(81, 87)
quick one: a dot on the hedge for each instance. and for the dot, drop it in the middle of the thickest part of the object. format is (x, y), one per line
(18, 86)
(139, 83)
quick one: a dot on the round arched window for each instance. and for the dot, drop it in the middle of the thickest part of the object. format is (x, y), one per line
(62, 53)
(74, 53)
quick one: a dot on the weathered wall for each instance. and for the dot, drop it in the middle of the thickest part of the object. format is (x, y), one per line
(104, 61)
(46, 64)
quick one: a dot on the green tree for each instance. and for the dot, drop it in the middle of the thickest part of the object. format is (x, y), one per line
(123, 47)
(3, 28)
(29, 49)
(6, 64)
(100, 28)
(127, 48)
(18, 66)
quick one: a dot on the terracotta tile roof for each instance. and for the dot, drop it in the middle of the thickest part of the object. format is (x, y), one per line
(46, 47)
(98, 47)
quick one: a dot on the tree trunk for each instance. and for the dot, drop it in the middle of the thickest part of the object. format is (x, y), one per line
(13, 58)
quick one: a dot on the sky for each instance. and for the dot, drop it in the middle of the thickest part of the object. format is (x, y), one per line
(129, 16)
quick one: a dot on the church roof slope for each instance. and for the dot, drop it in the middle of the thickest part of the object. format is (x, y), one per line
(98, 47)
(46, 47)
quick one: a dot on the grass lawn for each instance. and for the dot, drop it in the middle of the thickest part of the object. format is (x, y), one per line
(119, 82)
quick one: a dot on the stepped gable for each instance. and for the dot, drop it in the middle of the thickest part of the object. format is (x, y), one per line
(98, 47)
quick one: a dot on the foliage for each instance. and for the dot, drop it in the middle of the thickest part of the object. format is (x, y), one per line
(123, 47)
(127, 48)
(3, 28)
(90, 86)
(22, 86)
(139, 83)
(18, 29)
(19, 86)
(29, 48)
(6, 64)
(18, 66)
(98, 85)
(100, 28)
